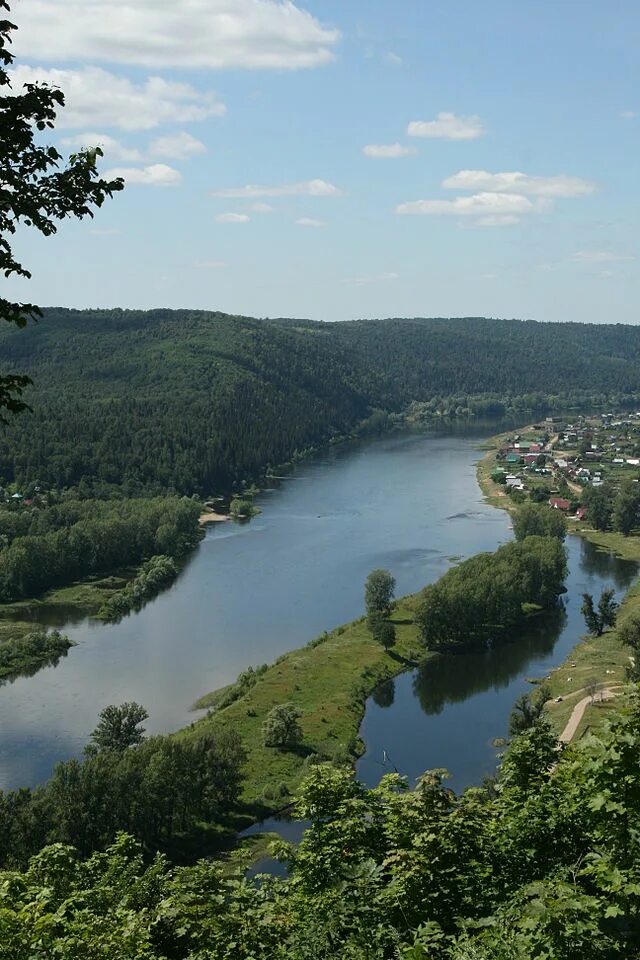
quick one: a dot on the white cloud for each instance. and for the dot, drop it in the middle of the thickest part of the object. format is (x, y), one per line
(232, 218)
(178, 146)
(505, 220)
(628, 114)
(260, 207)
(393, 58)
(480, 205)
(193, 34)
(306, 188)
(155, 175)
(113, 149)
(519, 183)
(310, 222)
(448, 127)
(98, 97)
(211, 264)
(600, 256)
(361, 281)
(387, 151)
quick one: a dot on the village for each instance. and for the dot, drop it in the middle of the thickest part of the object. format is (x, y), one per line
(556, 460)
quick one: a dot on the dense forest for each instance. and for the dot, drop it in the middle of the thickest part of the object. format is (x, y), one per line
(155, 788)
(142, 402)
(541, 863)
(44, 546)
(480, 601)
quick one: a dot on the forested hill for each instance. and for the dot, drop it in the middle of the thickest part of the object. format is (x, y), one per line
(193, 400)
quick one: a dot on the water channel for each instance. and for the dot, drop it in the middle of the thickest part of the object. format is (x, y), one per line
(409, 503)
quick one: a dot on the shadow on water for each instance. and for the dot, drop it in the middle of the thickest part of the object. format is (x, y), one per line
(46, 614)
(454, 677)
(598, 563)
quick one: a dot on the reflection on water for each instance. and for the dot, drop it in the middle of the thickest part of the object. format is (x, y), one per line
(53, 661)
(47, 614)
(606, 565)
(448, 711)
(452, 678)
(384, 695)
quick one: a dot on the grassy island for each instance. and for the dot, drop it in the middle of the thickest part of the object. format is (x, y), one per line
(329, 680)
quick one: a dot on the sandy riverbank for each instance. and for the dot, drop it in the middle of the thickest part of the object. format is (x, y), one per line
(212, 517)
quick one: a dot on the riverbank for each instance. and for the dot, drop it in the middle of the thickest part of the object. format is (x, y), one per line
(211, 517)
(596, 661)
(62, 605)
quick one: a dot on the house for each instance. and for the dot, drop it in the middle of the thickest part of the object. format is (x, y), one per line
(559, 503)
(581, 513)
(17, 498)
(561, 463)
(633, 461)
(515, 483)
(513, 458)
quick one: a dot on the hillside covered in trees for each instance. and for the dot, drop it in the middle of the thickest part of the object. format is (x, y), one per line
(198, 401)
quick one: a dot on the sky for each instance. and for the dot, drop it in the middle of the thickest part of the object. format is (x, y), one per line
(337, 159)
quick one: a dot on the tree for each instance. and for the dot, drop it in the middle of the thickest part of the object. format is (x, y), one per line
(381, 630)
(629, 632)
(281, 727)
(119, 727)
(35, 190)
(378, 591)
(597, 501)
(597, 620)
(626, 507)
(536, 520)
(591, 618)
(527, 711)
(607, 608)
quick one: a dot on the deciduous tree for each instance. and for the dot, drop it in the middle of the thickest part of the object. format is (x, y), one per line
(379, 589)
(37, 186)
(119, 727)
(281, 727)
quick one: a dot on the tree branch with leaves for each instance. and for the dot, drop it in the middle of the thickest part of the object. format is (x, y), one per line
(38, 187)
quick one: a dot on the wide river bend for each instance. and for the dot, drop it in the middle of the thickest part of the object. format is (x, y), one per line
(249, 593)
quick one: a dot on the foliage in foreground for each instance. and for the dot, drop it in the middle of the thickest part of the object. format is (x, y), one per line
(36, 188)
(159, 790)
(543, 864)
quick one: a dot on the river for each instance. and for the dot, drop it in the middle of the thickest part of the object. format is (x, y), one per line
(251, 592)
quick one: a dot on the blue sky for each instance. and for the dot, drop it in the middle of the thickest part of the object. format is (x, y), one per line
(344, 159)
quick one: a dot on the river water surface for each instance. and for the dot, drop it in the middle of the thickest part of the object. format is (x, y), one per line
(409, 503)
